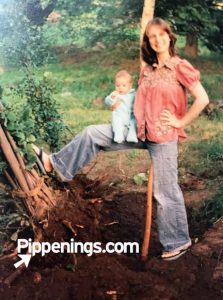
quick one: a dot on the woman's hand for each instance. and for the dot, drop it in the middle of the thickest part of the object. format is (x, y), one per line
(170, 119)
(201, 100)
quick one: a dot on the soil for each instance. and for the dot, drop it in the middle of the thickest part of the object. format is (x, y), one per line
(97, 211)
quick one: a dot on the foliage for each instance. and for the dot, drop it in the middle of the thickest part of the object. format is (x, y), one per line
(211, 210)
(111, 21)
(26, 38)
(207, 154)
(37, 119)
(48, 123)
(25, 35)
(216, 114)
(197, 18)
(20, 124)
(214, 40)
(21, 41)
(13, 218)
(38, 10)
(216, 81)
(89, 22)
(140, 178)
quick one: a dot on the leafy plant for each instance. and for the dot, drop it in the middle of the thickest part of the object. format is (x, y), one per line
(38, 119)
(140, 178)
(48, 124)
(21, 125)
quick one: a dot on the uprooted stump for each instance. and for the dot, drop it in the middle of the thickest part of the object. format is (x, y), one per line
(37, 197)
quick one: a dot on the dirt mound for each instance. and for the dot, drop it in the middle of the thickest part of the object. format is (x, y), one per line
(92, 211)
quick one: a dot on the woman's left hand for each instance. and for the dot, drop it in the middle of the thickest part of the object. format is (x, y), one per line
(170, 119)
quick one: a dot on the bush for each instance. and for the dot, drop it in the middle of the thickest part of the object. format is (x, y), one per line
(49, 125)
(38, 119)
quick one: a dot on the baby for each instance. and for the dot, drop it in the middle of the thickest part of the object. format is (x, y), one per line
(121, 100)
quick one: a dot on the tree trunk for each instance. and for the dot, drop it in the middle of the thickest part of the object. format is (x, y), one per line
(147, 15)
(191, 47)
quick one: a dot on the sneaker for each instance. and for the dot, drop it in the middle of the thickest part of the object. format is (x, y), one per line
(175, 254)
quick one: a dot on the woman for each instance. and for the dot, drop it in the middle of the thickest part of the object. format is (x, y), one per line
(160, 111)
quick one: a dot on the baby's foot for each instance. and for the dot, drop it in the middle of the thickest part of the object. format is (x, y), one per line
(119, 141)
(132, 140)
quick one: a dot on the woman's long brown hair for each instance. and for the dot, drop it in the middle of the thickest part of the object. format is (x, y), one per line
(148, 54)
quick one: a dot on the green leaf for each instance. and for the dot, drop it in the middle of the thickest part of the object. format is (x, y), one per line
(140, 178)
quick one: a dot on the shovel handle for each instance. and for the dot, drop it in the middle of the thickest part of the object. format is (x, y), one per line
(146, 240)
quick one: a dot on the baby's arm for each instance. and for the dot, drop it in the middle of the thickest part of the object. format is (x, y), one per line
(116, 104)
(129, 101)
(112, 100)
(132, 100)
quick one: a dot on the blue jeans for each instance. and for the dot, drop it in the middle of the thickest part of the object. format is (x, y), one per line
(171, 213)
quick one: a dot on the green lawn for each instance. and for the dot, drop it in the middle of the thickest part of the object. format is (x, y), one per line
(86, 81)
(82, 84)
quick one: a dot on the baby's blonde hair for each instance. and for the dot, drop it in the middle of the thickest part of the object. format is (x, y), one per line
(124, 73)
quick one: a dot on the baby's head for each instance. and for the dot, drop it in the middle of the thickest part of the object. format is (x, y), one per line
(123, 82)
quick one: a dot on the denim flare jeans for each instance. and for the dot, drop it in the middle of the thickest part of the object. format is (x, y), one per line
(171, 213)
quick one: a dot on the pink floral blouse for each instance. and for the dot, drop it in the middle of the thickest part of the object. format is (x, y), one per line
(159, 89)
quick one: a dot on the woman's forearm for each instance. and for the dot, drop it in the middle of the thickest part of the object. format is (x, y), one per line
(194, 111)
(200, 101)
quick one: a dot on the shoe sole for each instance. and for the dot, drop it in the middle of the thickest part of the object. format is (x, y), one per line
(182, 252)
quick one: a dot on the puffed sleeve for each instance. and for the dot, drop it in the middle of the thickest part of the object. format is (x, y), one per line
(187, 75)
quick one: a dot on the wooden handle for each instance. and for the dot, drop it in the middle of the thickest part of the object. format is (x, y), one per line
(146, 240)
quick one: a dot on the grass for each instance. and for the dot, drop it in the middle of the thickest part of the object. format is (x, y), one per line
(77, 87)
(214, 86)
(211, 210)
(87, 79)
(204, 156)
(79, 118)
